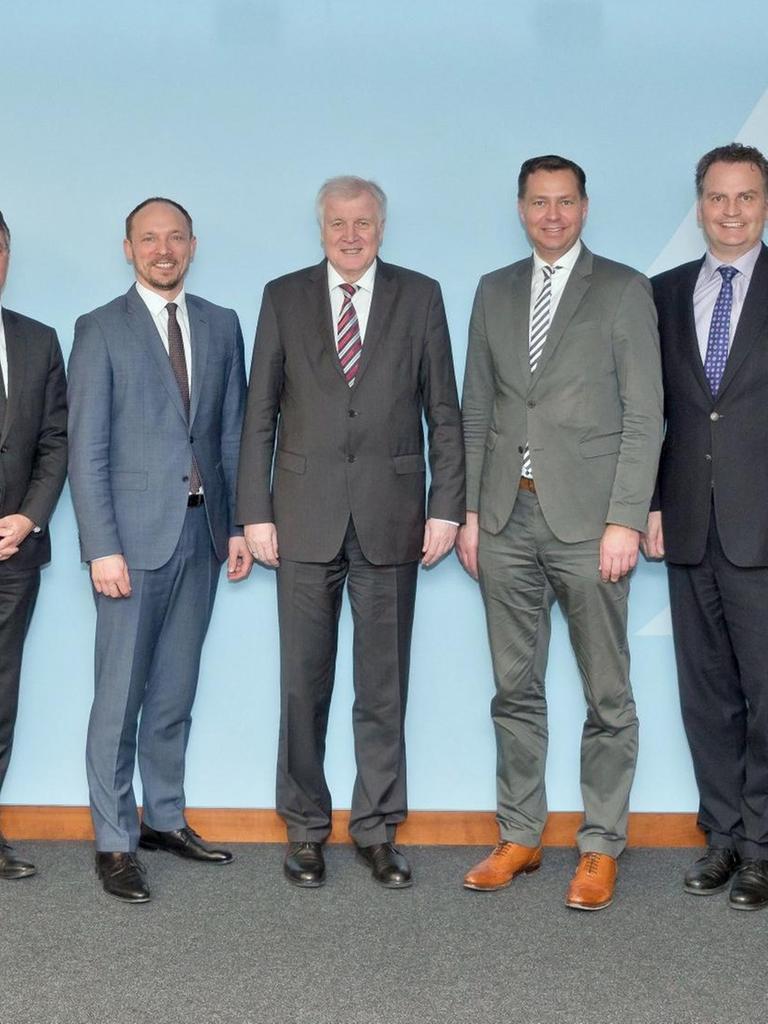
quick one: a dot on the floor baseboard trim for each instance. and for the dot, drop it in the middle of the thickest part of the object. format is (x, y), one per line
(423, 828)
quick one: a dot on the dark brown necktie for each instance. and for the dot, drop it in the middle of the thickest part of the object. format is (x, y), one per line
(179, 367)
(2, 398)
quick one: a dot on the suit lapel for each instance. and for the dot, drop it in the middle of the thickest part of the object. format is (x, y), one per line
(575, 290)
(515, 311)
(686, 321)
(143, 327)
(751, 324)
(199, 340)
(382, 305)
(17, 367)
(320, 319)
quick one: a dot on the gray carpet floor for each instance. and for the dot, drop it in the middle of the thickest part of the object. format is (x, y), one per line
(238, 945)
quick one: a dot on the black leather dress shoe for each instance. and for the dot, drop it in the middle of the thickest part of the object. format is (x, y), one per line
(184, 842)
(750, 886)
(304, 864)
(122, 876)
(10, 866)
(712, 872)
(388, 866)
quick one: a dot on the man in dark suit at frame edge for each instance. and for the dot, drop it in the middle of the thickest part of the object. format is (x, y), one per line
(350, 357)
(156, 395)
(710, 516)
(33, 465)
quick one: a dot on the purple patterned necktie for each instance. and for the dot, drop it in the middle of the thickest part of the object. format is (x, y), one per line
(179, 367)
(348, 341)
(720, 331)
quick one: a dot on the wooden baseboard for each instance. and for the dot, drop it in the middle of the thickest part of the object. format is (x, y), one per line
(424, 828)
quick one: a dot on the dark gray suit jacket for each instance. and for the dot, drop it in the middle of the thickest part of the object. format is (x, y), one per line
(33, 436)
(714, 449)
(592, 411)
(359, 451)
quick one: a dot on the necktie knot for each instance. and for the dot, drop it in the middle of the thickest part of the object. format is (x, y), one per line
(348, 289)
(727, 273)
(171, 307)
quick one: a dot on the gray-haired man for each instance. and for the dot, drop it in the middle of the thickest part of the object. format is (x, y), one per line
(351, 355)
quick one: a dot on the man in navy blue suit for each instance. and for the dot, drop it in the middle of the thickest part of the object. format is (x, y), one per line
(710, 516)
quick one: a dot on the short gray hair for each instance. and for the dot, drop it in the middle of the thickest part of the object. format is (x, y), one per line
(347, 186)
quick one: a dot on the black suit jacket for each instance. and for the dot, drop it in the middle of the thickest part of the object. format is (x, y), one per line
(714, 448)
(33, 439)
(358, 451)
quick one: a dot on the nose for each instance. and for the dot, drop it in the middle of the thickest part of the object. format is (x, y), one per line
(732, 205)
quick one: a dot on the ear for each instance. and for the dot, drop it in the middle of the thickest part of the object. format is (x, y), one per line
(128, 250)
(192, 248)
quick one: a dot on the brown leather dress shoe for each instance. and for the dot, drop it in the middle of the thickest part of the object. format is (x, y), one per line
(501, 866)
(593, 883)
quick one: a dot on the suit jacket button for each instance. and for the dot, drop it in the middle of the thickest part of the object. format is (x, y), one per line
(531, 405)
(714, 416)
(708, 457)
(350, 458)
(4, 449)
(185, 479)
(520, 449)
(352, 413)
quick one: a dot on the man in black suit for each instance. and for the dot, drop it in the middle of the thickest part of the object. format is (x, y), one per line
(33, 465)
(710, 516)
(350, 357)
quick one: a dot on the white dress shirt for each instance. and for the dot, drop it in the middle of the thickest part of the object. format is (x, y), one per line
(361, 300)
(564, 266)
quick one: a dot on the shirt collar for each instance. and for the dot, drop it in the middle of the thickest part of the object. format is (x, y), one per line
(566, 262)
(744, 264)
(365, 282)
(156, 303)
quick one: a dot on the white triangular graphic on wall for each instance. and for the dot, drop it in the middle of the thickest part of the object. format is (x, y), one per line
(687, 243)
(659, 625)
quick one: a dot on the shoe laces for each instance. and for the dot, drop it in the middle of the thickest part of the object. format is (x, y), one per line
(591, 863)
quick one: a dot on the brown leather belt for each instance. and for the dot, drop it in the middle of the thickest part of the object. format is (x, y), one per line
(526, 484)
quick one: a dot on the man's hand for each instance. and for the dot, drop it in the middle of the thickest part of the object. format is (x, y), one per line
(110, 576)
(652, 541)
(13, 530)
(438, 541)
(239, 561)
(618, 552)
(467, 544)
(261, 539)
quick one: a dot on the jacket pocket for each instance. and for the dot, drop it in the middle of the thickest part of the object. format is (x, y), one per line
(409, 463)
(290, 461)
(122, 481)
(606, 444)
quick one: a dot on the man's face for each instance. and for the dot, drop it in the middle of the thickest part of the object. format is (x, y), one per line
(351, 234)
(160, 248)
(552, 212)
(732, 209)
(5, 255)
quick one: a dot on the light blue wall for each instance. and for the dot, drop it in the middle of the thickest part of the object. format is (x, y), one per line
(239, 110)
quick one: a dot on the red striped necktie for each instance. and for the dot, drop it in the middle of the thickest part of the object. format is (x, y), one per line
(349, 344)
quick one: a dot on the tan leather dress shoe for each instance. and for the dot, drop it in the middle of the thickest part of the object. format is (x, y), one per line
(503, 864)
(593, 883)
